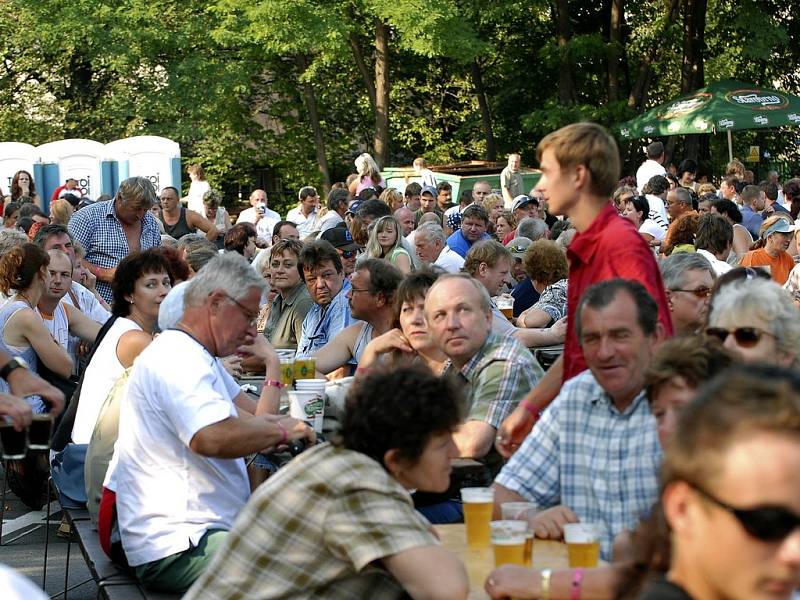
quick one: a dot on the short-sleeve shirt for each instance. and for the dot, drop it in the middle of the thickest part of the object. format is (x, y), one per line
(285, 324)
(779, 266)
(525, 296)
(317, 529)
(752, 221)
(323, 323)
(601, 463)
(610, 247)
(460, 245)
(168, 496)
(553, 300)
(512, 181)
(449, 261)
(102, 236)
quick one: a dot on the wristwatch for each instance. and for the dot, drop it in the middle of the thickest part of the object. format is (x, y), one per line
(15, 363)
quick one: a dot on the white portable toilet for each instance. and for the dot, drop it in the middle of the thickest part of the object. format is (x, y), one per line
(15, 156)
(157, 158)
(77, 159)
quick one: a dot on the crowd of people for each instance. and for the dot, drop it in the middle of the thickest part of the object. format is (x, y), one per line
(669, 413)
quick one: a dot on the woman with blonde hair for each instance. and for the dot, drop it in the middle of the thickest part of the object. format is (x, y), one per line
(769, 250)
(504, 224)
(392, 198)
(385, 242)
(369, 175)
(493, 203)
(60, 212)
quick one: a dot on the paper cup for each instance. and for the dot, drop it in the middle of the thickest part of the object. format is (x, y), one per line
(308, 407)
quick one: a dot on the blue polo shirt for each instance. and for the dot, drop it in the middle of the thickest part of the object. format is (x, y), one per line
(460, 245)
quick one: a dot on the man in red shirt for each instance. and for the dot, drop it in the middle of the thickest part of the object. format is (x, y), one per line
(580, 169)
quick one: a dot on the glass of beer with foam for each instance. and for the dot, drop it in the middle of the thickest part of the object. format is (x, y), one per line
(583, 544)
(523, 512)
(508, 541)
(478, 503)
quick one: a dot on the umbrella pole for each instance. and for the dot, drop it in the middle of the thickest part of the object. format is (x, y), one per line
(730, 146)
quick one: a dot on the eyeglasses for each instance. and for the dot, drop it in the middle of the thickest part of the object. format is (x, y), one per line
(252, 318)
(765, 523)
(519, 248)
(701, 292)
(746, 337)
(348, 254)
(355, 290)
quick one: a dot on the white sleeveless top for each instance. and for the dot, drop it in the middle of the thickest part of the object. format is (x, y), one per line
(101, 374)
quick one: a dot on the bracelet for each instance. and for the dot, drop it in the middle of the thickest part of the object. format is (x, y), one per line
(575, 591)
(545, 595)
(273, 383)
(531, 409)
(284, 433)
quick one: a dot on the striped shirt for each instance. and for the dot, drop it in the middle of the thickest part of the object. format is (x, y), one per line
(584, 453)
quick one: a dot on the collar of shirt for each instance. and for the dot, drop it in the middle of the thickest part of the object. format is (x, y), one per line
(296, 292)
(583, 245)
(484, 354)
(602, 397)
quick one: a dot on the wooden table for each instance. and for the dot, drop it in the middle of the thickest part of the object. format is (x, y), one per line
(480, 562)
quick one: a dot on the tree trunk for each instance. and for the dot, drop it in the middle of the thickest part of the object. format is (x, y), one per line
(614, 47)
(638, 95)
(313, 117)
(361, 64)
(381, 92)
(566, 85)
(486, 115)
(693, 70)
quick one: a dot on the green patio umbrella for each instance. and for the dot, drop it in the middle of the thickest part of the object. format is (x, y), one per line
(726, 105)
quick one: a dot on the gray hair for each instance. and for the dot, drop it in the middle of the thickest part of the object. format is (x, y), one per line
(168, 240)
(674, 268)
(10, 239)
(683, 195)
(565, 238)
(766, 300)
(433, 231)
(137, 192)
(229, 272)
(486, 301)
(532, 228)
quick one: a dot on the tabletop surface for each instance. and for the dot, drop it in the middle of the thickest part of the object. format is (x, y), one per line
(547, 554)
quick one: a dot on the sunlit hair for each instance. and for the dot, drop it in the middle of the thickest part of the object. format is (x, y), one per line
(197, 171)
(367, 167)
(489, 252)
(491, 201)
(19, 267)
(374, 248)
(586, 144)
(212, 199)
(137, 193)
(229, 272)
(60, 212)
(545, 262)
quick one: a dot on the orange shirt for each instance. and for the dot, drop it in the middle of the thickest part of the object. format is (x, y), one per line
(779, 267)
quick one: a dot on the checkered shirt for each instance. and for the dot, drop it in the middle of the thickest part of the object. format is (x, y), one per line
(315, 530)
(498, 377)
(100, 232)
(323, 323)
(585, 454)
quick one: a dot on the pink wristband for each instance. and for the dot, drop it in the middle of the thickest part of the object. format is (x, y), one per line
(532, 410)
(273, 383)
(284, 433)
(575, 590)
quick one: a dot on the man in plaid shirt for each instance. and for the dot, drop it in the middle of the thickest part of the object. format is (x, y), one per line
(594, 455)
(497, 369)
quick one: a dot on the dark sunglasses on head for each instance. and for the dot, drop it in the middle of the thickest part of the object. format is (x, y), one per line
(746, 337)
(765, 523)
(701, 292)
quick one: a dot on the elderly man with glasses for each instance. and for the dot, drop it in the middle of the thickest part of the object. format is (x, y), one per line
(688, 279)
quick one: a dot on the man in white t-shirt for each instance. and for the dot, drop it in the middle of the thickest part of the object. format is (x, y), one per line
(654, 165)
(338, 200)
(259, 211)
(304, 215)
(186, 425)
(431, 247)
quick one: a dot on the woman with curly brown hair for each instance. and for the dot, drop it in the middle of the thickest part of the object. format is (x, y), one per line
(547, 268)
(23, 279)
(680, 236)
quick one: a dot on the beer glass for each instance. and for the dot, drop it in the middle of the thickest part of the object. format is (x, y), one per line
(478, 503)
(524, 512)
(508, 541)
(39, 431)
(15, 443)
(583, 544)
(305, 368)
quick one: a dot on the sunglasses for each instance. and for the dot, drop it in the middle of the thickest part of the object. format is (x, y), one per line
(765, 523)
(701, 292)
(746, 337)
(348, 254)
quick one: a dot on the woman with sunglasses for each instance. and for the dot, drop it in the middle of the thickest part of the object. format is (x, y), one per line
(730, 501)
(757, 319)
(771, 248)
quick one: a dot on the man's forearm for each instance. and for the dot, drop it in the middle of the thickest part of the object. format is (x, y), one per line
(548, 387)
(103, 274)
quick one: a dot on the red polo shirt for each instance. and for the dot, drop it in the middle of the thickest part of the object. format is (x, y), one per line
(610, 248)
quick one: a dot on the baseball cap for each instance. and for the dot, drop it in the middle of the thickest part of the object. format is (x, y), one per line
(339, 237)
(354, 206)
(780, 226)
(520, 201)
(518, 245)
(429, 190)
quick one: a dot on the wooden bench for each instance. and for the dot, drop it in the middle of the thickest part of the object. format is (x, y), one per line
(113, 582)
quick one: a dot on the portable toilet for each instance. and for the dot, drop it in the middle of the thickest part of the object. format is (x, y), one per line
(75, 159)
(151, 156)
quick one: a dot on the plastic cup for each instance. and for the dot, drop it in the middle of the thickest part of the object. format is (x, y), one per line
(583, 544)
(40, 431)
(287, 371)
(509, 539)
(15, 443)
(308, 407)
(524, 512)
(478, 502)
(304, 368)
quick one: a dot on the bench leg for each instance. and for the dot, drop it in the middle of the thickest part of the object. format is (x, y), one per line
(66, 572)
(3, 501)
(46, 537)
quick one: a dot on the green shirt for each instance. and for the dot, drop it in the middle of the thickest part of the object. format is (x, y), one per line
(286, 316)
